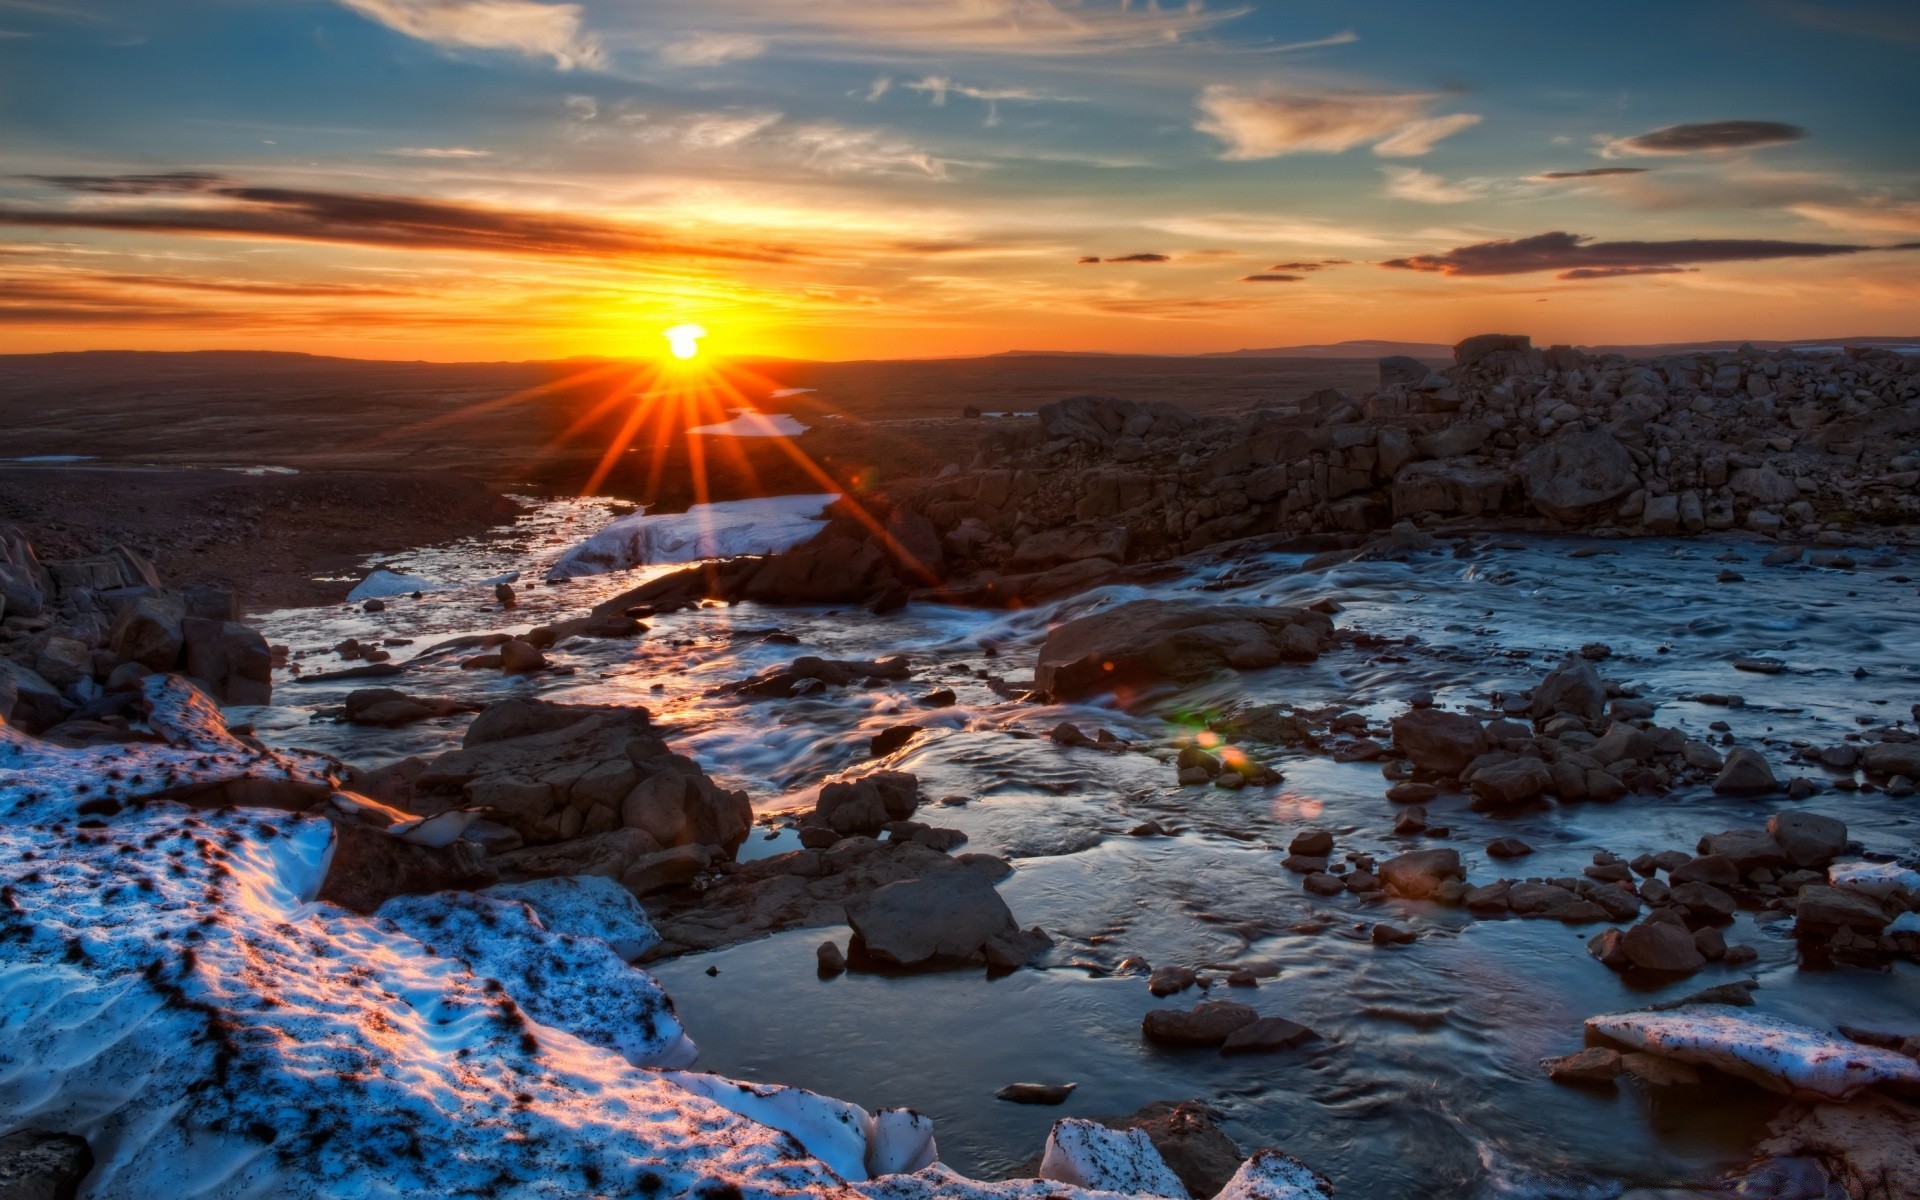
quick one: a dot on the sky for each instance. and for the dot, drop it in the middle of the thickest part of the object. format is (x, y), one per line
(514, 179)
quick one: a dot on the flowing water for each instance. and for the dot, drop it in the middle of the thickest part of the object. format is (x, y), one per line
(1426, 1081)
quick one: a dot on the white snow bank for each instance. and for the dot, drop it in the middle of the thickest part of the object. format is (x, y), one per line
(1090, 1155)
(1806, 1063)
(719, 530)
(1271, 1175)
(586, 906)
(753, 424)
(384, 583)
(855, 1143)
(573, 983)
(1878, 880)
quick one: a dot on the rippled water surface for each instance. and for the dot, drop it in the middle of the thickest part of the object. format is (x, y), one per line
(1427, 1080)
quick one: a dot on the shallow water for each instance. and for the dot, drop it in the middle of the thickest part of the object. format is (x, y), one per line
(1426, 1082)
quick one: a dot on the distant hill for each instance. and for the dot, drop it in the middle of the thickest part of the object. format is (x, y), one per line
(1355, 349)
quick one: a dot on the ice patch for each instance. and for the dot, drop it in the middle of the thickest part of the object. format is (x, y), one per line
(720, 530)
(753, 424)
(783, 393)
(1090, 1155)
(573, 983)
(1878, 880)
(1806, 1063)
(586, 906)
(384, 583)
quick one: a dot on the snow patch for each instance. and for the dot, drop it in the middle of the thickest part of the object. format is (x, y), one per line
(384, 583)
(719, 530)
(1797, 1060)
(1878, 880)
(586, 906)
(753, 424)
(1271, 1175)
(1090, 1155)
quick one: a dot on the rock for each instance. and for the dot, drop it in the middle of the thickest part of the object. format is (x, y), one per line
(369, 867)
(1412, 793)
(1573, 687)
(1187, 1134)
(1808, 839)
(1145, 642)
(1052, 547)
(1776, 1054)
(865, 804)
(1660, 946)
(518, 657)
(1748, 849)
(1577, 474)
(1892, 758)
(1595, 1064)
(1871, 1147)
(1312, 842)
(1821, 908)
(1746, 774)
(663, 869)
(892, 738)
(1208, 1023)
(1035, 1093)
(1508, 848)
(1658, 1072)
(807, 671)
(1400, 370)
(1271, 1175)
(1439, 741)
(831, 961)
(1446, 486)
(1384, 934)
(28, 700)
(1419, 874)
(1514, 782)
(38, 1165)
(1165, 981)
(947, 915)
(1267, 1034)
(148, 631)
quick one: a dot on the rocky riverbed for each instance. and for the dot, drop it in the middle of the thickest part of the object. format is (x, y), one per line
(1448, 862)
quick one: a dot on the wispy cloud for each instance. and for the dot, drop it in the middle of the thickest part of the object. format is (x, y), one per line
(817, 145)
(937, 88)
(1570, 252)
(1706, 138)
(1300, 231)
(1273, 122)
(524, 26)
(1425, 187)
(713, 49)
(1271, 277)
(1589, 173)
(440, 152)
(1877, 215)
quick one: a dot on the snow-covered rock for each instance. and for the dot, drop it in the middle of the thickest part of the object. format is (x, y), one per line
(383, 583)
(573, 983)
(1797, 1060)
(1090, 1155)
(586, 906)
(1878, 880)
(1271, 1175)
(720, 530)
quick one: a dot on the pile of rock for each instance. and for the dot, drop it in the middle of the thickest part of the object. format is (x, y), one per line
(77, 636)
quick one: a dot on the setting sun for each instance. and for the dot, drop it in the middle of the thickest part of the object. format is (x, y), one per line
(684, 340)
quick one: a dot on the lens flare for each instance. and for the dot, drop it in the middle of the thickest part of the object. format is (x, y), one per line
(684, 340)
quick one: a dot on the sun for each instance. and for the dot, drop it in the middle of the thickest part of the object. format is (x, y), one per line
(684, 340)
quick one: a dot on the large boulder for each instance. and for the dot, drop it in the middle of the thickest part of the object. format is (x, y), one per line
(865, 804)
(1892, 758)
(1470, 351)
(1574, 688)
(945, 915)
(1146, 642)
(231, 659)
(28, 700)
(830, 569)
(1808, 839)
(1439, 741)
(1746, 773)
(1399, 370)
(1577, 474)
(1072, 544)
(148, 630)
(1509, 783)
(1418, 874)
(1449, 485)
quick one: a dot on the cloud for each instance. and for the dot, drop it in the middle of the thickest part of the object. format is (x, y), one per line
(1310, 266)
(818, 145)
(1857, 20)
(1589, 173)
(1304, 231)
(713, 49)
(1267, 124)
(1703, 139)
(214, 207)
(1618, 272)
(937, 88)
(440, 152)
(530, 28)
(1865, 216)
(1411, 183)
(1558, 251)
(881, 85)
(1141, 258)
(1271, 278)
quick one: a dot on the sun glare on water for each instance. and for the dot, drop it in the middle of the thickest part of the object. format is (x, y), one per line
(684, 340)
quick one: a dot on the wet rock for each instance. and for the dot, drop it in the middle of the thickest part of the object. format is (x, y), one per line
(1208, 1023)
(1145, 642)
(1892, 758)
(1661, 946)
(1574, 688)
(1419, 874)
(1384, 934)
(388, 708)
(1530, 896)
(1655, 1071)
(1165, 981)
(1267, 1034)
(1322, 884)
(1412, 793)
(1508, 848)
(1511, 783)
(1188, 1136)
(1746, 774)
(1824, 909)
(1438, 741)
(1746, 849)
(865, 804)
(1704, 900)
(809, 671)
(1312, 842)
(948, 915)
(38, 1165)
(1595, 1064)
(1491, 897)
(368, 867)
(892, 738)
(829, 959)
(1868, 1148)
(1035, 1093)
(1808, 839)
(518, 657)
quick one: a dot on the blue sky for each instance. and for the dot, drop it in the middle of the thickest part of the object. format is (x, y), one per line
(855, 178)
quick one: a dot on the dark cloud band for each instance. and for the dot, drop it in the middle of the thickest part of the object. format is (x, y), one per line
(1710, 136)
(1560, 251)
